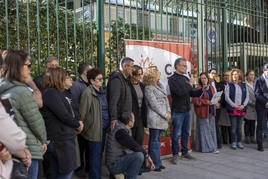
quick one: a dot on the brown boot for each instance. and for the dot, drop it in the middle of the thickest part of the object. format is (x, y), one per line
(247, 140)
(252, 140)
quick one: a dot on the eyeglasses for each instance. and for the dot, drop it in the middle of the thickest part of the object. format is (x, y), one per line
(28, 65)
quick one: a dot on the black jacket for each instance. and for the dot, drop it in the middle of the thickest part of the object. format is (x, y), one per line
(118, 95)
(181, 91)
(38, 81)
(139, 113)
(57, 113)
(261, 93)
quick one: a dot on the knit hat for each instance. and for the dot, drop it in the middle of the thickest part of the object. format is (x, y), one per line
(126, 117)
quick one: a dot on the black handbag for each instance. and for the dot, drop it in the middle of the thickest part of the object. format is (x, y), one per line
(19, 170)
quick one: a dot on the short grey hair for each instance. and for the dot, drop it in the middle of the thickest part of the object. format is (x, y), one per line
(265, 67)
(178, 61)
(50, 59)
(126, 60)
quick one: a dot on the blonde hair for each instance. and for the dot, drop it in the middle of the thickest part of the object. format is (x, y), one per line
(150, 75)
(240, 75)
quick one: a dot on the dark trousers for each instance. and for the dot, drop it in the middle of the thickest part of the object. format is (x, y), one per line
(218, 129)
(226, 134)
(138, 134)
(249, 128)
(261, 121)
(84, 153)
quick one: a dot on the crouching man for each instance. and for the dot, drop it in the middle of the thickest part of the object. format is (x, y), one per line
(123, 153)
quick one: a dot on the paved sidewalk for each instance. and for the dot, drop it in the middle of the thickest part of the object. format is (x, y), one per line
(228, 164)
(247, 164)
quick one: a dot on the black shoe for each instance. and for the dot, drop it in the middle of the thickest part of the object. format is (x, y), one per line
(157, 170)
(145, 170)
(260, 148)
(81, 174)
(162, 167)
(188, 156)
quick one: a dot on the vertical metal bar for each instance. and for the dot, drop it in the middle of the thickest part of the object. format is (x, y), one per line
(172, 21)
(202, 32)
(167, 20)
(197, 38)
(224, 39)
(193, 38)
(100, 33)
(187, 4)
(18, 24)
(75, 53)
(137, 21)
(215, 24)
(57, 26)
(143, 30)
(124, 21)
(91, 32)
(229, 31)
(130, 19)
(210, 35)
(66, 36)
(206, 17)
(38, 35)
(6, 18)
(28, 28)
(109, 21)
(178, 22)
(155, 20)
(182, 11)
(149, 14)
(83, 31)
(48, 42)
(161, 28)
(233, 34)
(116, 26)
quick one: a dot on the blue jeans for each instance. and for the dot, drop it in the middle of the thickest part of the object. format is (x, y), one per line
(236, 128)
(33, 170)
(129, 165)
(55, 174)
(95, 157)
(154, 147)
(181, 127)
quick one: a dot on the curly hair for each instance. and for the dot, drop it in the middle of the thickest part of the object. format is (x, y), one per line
(150, 75)
(240, 74)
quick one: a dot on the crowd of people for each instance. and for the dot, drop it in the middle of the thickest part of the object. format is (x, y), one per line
(56, 128)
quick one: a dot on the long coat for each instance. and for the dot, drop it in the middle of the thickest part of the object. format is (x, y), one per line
(157, 108)
(251, 111)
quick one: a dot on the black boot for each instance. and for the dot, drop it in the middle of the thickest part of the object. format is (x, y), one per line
(260, 148)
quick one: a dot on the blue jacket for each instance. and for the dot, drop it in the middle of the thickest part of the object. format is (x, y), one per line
(261, 93)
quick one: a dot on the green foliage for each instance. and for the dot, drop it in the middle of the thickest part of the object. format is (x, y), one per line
(90, 53)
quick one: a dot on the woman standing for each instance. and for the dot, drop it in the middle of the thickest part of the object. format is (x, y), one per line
(206, 138)
(138, 104)
(237, 97)
(250, 118)
(94, 113)
(60, 123)
(27, 116)
(158, 112)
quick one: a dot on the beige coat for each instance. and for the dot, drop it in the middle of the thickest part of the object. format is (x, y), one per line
(251, 111)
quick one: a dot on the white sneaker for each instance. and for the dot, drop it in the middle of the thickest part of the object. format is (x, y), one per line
(216, 152)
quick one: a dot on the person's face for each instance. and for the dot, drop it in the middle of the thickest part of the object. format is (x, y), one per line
(53, 64)
(251, 76)
(26, 70)
(226, 77)
(182, 67)
(213, 74)
(97, 83)
(68, 82)
(235, 76)
(138, 76)
(265, 72)
(128, 68)
(204, 80)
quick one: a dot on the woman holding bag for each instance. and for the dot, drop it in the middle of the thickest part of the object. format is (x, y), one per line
(206, 139)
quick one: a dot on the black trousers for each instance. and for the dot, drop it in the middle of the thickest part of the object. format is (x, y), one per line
(261, 121)
(138, 134)
(218, 130)
(249, 128)
(84, 153)
(226, 134)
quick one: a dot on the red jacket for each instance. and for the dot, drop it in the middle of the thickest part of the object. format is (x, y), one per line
(200, 104)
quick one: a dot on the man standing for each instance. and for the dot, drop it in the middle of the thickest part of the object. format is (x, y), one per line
(76, 91)
(261, 93)
(51, 62)
(181, 91)
(118, 90)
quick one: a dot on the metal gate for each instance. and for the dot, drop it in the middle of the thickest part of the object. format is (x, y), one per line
(223, 33)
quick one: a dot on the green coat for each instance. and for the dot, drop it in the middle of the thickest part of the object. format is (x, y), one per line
(91, 114)
(26, 115)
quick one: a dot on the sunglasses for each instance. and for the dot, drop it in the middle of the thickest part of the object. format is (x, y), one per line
(28, 65)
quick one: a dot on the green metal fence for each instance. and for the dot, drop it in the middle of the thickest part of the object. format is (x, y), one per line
(223, 33)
